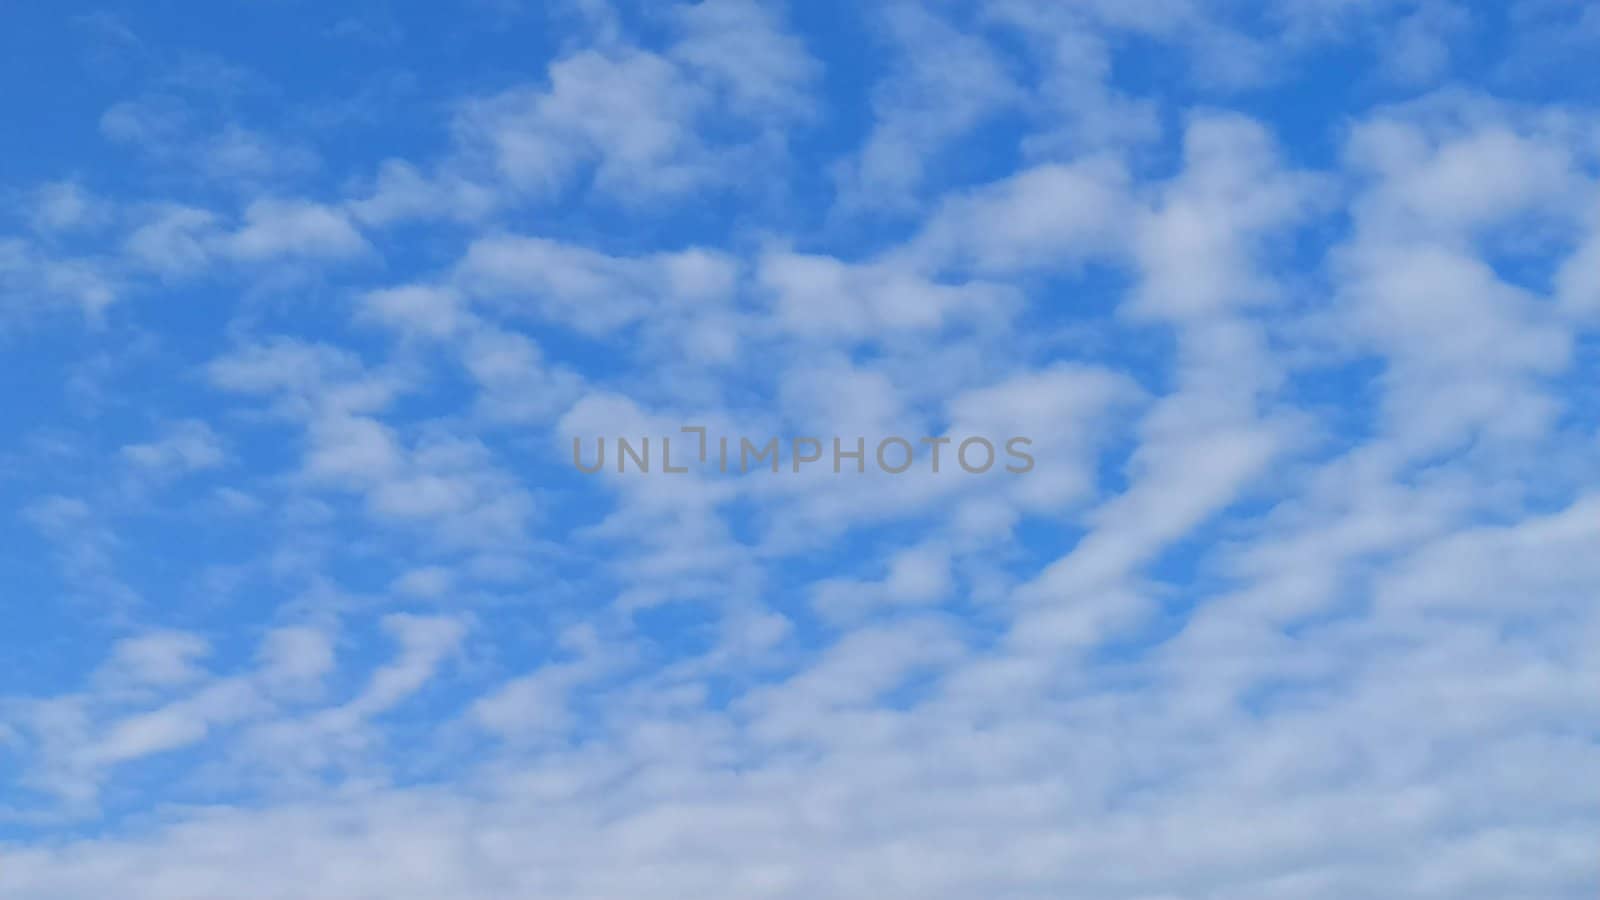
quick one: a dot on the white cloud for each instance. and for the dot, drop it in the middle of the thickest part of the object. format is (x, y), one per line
(632, 115)
(429, 581)
(176, 240)
(587, 290)
(294, 657)
(67, 206)
(423, 310)
(1047, 217)
(826, 298)
(1578, 281)
(1199, 248)
(1297, 584)
(183, 132)
(34, 281)
(400, 193)
(944, 83)
(189, 446)
(294, 228)
(159, 659)
(741, 46)
(1431, 183)
(517, 384)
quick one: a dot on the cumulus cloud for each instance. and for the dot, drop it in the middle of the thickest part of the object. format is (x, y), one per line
(190, 446)
(1293, 307)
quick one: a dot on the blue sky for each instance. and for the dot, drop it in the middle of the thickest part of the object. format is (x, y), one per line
(303, 305)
